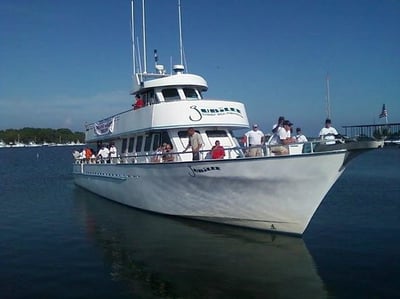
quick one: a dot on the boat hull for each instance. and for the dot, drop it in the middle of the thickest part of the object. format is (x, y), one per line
(269, 193)
(351, 145)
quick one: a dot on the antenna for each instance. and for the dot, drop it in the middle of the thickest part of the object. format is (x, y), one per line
(133, 39)
(144, 37)
(139, 59)
(155, 57)
(180, 31)
(328, 100)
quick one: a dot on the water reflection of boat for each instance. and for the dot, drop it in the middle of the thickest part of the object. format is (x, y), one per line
(178, 258)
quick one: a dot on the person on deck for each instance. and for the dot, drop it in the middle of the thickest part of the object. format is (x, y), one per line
(328, 132)
(113, 153)
(103, 154)
(284, 139)
(300, 137)
(217, 151)
(195, 142)
(168, 156)
(139, 103)
(254, 139)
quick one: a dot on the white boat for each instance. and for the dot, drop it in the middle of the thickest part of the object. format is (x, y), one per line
(392, 142)
(276, 193)
(3, 144)
(362, 143)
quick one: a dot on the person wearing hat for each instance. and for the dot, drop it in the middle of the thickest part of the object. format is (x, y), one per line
(254, 139)
(284, 139)
(300, 138)
(278, 125)
(328, 132)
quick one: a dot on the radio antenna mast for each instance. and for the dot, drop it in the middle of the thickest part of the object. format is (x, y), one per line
(144, 37)
(133, 39)
(180, 31)
(328, 100)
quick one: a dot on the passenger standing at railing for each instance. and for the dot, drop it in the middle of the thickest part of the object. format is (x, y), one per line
(284, 139)
(113, 152)
(139, 103)
(217, 151)
(167, 155)
(254, 139)
(102, 155)
(300, 138)
(195, 142)
(328, 132)
(88, 154)
(278, 125)
(157, 155)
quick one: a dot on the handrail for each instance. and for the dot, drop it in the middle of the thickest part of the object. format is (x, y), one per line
(232, 153)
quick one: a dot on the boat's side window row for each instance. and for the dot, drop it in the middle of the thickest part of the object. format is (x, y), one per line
(146, 143)
(170, 94)
(190, 93)
(174, 94)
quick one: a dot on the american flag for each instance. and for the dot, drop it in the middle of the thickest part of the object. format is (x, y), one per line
(384, 112)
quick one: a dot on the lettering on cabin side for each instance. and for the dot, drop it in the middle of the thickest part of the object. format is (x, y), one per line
(193, 171)
(200, 112)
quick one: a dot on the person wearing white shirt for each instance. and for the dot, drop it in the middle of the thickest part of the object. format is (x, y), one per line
(103, 153)
(328, 132)
(255, 140)
(300, 138)
(284, 139)
(113, 153)
(278, 125)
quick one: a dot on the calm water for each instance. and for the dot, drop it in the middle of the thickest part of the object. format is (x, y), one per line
(59, 241)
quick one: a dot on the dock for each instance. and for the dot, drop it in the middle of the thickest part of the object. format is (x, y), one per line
(377, 131)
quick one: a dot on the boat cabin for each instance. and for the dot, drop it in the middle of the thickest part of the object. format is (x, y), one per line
(172, 104)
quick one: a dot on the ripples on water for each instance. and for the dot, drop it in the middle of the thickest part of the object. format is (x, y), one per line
(59, 241)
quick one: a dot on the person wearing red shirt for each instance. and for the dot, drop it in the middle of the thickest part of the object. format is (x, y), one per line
(217, 151)
(139, 103)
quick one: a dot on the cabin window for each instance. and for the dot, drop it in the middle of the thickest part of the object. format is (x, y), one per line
(147, 143)
(190, 93)
(131, 143)
(170, 94)
(139, 143)
(124, 145)
(221, 135)
(165, 138)
(216, 133)
(156, 141)
(151, 98)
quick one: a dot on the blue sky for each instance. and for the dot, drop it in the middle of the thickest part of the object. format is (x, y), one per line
(64, 63)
